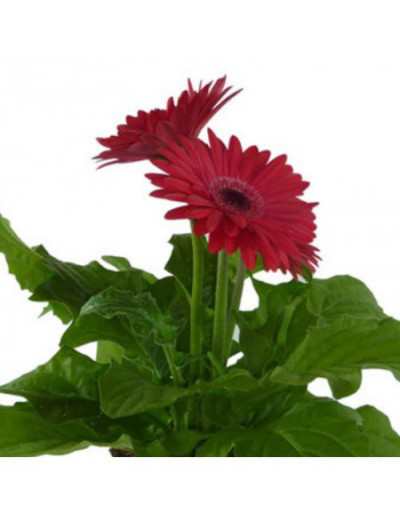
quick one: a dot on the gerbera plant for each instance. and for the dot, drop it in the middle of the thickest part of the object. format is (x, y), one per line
(180, 369)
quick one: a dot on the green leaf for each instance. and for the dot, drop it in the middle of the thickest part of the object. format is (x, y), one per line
(108, 351)
(325, 302)
(24, 433)
(133, 321)
(340, 296)
(61, 311)
(264, 330)
(65, 286)
(217, 409)
(28, 267)
(141, 310)
(123, 264)
(218, 445)
(126, 390)
(320, 427)
(182, 444)
(228, 415)
(180, 265)
(346, 345)
(215, 398)
(382, 439)
(232, 380)
(152, 449)
(62, 389)
(291, 315)
(90, 328)
(171, 299)
(273, 300)
(266, 444)
(268, 402)
(345, 384)
(119, 263)
(73, 284)
(233, 408)
(258, 349)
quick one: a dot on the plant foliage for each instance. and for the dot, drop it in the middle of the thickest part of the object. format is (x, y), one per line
(139, 395)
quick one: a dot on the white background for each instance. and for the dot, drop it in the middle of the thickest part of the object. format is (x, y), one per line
(321, 83)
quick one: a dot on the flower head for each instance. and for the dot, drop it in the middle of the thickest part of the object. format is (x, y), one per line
(242, 199)
(143, 135)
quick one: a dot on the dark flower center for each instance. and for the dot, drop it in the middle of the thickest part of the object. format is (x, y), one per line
(236, 196)
(235, 199)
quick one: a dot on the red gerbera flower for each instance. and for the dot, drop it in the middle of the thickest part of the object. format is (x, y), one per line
(242, 199)
(143, 135)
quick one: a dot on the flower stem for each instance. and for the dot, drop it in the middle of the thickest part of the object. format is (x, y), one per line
(179, 420)
(175, 371)
(234, 306)
(217, 365)
(195, 312)
(221, 305)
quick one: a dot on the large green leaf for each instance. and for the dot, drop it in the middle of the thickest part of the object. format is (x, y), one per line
(273, 300)
(325, 301)
(132, 320)
(73, 284)
(126, 390)
(64, 388)
(345, 345)
(65, 286)
(171, 299)
(267, 402)
(264, 330)
(290, 315)
(90, 328)
(342, 295)
(329, 299)
(383, 441)
(28, 267)
(344, 384)
(141, 310)
(321, 428)
(232, 416)
(215, 399)
(24, 433)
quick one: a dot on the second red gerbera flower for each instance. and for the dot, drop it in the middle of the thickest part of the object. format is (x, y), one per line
(143, 135)
(242, 199)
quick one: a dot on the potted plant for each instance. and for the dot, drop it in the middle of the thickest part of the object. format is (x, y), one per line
(180, 369)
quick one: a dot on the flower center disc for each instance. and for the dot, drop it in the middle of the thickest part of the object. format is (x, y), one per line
(236, 199)
(234, 195)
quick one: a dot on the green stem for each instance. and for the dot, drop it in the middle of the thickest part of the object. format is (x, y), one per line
(175, 371)
(235, 304)
(221, 305)
(195, 312)
(217, 365)
(177, 415)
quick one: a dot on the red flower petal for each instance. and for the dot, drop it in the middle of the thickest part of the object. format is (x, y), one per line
(241, 199)
(144, 135)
